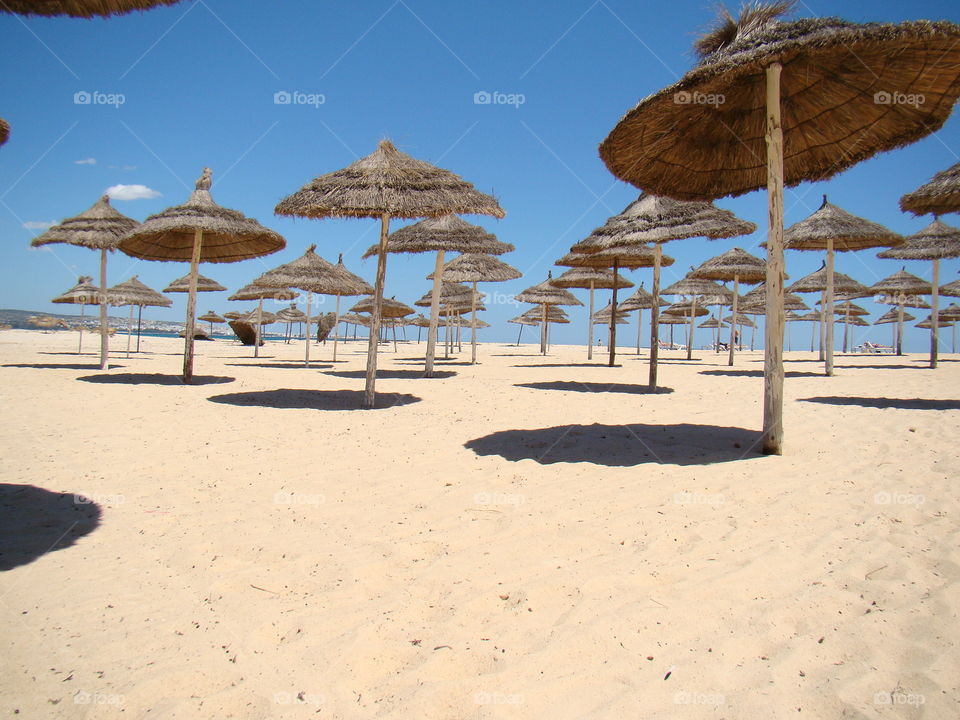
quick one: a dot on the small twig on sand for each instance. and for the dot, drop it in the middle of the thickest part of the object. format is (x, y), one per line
(264, 590)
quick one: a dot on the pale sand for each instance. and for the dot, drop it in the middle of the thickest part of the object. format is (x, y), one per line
(486, 552)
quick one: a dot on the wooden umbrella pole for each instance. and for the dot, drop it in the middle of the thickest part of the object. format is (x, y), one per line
(543, 329)
(369, 391)
(519, 334)
(129, 330)
(336, 326)
(828, 311)
(434, 314)
(693, 315)
(899, 324)
(590, 325)
(394, 337)
(191, 308)
(733, 325)
(306, 334)
(80, 343)
(473, 325)
(846, 329)
(655, 317)
(639, 326)
(256, 330)
(140, 323)
(753, 332)
(934, 312)
(813, 334)
(773, 345)
(613, 315)
(104, 334)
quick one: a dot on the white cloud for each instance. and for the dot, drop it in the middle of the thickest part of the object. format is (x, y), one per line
(39, 224)
(131, 192)
(85, 161)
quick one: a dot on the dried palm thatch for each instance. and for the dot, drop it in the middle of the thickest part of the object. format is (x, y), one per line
(447, 233)
(849, 308)
(812, 97)
(891, 316)
(312, 273)
(833, 225)
(546, 293)
(903, 282)
(211, 317)
(625, 257)
(590, 278)
(204, 284)
(742, 319)
(951, 289)
(450, 292)
(4, 131)
(554, 314)
(291, 315)
(385, 184)
(939, 196)
(232, 315)
(602, 316)
(134, 292)
(817, 282)
(935, 242)
(640, 300)
(83, 293)
(390, 308)
(692, 286)
(686, 309)
(101, 227)
(703, 137)
(80, 8)
(927, 323)
(951, 313)
(710, 323)
(757, 299)
(735, 264)
(910, 301)
(199, 231)
(478, 267)
(258, 316)
(355, 319)
(666, 318)
(255, 291)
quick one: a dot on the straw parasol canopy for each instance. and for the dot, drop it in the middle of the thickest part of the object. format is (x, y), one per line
(83, 293)
(902, 282)
(927, 323)
(554, 314)
(199, 231)
(258, 292)
(852, 320)
(950, 313)
(891, 316)
(80, 8)
(4, 131)
(312, 273)
(291, 315)
(640, 300)
(774, 103)
(757, 299)
(211, 317)
(385, 184)
(355, 319)
(450, 292)
(936, 242)
(817, 282)
(939, 196)
(658, 219)
(687, 309)
(546, 294)
(132, 292)
(258, 316)
(711, 323)
(951, 289)
(447, 233)
(591, 278)
(204, 284)
(603, 315)
(850, 308)
(100, 227)
(742, 319)
(390, 308)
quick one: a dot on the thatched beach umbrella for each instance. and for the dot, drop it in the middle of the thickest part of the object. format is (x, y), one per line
(199, 231)
(901, 288)
(204, 284)
(843, 285)
(939, 196)
(4, 131)
(755, 303)
(695, 288)
(133, 292)
(290, 315)
(313, 274)
(591, 279)
(832, 229)
(99, 228)
(474, 268)
(454, 299)
(639, 301)
(928, 324)
(554, 315)
(657, 219)
(739, 266)
(82, 294)
(936, 242)
(812, 96)
(447, 233)
(258, 292)
(951, 314)
(387, 183)
(546, 295)
(79, 8)
(211, 317)
(848, 310)
(896, 317)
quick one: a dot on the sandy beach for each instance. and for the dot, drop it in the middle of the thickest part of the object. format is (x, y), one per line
(530, 537)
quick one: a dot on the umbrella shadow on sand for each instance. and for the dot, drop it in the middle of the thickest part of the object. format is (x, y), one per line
(34, 521)
(294, 365)
(622, 445)
(153, 379)
(60, 366)
(294, 399)
(566, 365)
(759, 373)
(884, 403)
(393, 374)
(596, 387)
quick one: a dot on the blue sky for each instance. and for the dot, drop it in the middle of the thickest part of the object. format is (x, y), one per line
(198, 82)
